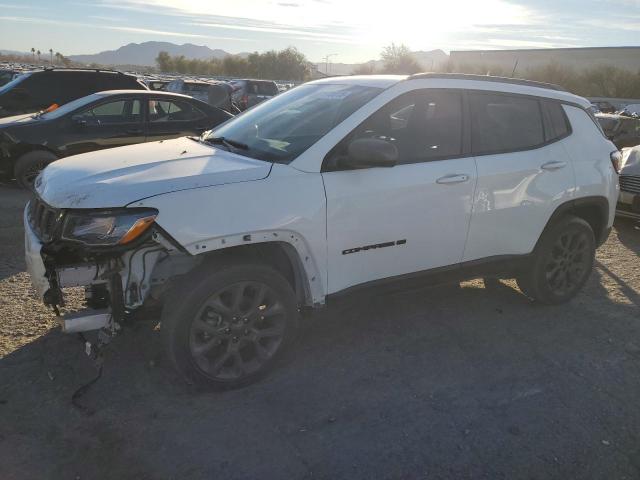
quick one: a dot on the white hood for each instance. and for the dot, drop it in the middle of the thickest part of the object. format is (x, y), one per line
(119, 176)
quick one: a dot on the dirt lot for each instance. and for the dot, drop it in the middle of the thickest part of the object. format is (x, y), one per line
(438, 383)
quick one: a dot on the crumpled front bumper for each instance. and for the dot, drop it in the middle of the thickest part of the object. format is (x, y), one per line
(33, 258)
(82, 321)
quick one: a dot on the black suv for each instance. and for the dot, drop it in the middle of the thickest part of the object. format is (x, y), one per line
(37, 90)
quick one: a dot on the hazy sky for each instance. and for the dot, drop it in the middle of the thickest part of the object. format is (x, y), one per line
(355, 29)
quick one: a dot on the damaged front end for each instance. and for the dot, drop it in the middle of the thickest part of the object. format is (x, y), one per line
(121, 257)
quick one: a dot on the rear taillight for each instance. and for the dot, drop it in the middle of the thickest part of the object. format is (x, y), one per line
(616, 160)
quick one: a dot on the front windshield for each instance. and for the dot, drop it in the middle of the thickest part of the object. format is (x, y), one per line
(282, 128)
(70, 107)
(14, 82)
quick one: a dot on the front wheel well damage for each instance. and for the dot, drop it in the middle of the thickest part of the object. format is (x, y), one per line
(279, 255)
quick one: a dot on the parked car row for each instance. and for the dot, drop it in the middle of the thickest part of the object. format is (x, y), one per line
(53, 113)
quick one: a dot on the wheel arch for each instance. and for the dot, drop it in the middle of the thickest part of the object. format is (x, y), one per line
(285, 251)
(593, 209)
(22, 149)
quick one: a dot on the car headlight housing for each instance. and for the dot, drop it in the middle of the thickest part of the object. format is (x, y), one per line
(107, 228)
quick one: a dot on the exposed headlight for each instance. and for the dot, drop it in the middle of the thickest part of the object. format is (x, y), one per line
(114, 227)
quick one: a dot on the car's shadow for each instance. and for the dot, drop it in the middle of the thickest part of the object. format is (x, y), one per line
(628, 232)
(447, 380)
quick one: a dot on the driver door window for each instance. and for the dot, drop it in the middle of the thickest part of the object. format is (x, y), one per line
(424, 125)
(112, 113)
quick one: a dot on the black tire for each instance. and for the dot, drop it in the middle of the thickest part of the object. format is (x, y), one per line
(561, 263)
(211, 342)
(29, 165)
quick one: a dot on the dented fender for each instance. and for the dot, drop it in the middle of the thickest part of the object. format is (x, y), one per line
(288, 207)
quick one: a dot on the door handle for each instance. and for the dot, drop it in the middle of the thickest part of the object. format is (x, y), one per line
(554, 165)
(449, 179)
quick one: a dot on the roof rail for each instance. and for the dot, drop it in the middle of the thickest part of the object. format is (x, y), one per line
(83, 69)
(487, 78)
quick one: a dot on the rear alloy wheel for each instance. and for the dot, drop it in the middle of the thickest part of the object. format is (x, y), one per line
(29, 166)
(562, 262)
(230, 325)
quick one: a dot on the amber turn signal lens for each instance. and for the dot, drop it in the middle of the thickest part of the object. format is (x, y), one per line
(52, 107)
(137, 229)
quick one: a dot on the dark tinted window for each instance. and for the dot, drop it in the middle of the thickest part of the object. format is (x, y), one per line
(262, 88)
(423, 125)
(116, 81)
(500, 123)
(172, 111)
(39, 90)
(557, 124)
(71, 85)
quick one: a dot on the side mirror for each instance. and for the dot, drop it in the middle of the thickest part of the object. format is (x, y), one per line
(370, 152)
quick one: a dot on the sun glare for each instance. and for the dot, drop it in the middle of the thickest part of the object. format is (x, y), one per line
(418, 24)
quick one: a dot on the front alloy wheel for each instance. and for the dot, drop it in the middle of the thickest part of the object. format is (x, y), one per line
(226, 325)
(237, 330)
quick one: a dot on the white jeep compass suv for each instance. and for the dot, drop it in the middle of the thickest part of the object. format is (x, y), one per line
(337, 184)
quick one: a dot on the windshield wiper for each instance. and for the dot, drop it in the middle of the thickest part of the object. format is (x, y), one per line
(227, 142)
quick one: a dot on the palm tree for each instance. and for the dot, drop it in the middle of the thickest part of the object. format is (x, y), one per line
(33, 53)
(58, 57)
(51, 55)
(38, 53)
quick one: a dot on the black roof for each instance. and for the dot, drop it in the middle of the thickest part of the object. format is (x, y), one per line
(487, 78)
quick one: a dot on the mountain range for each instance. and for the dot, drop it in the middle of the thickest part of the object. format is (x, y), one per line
(144, 54)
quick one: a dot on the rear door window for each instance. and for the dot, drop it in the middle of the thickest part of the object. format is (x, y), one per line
(502, 122)
(173, 111)
(557, 124)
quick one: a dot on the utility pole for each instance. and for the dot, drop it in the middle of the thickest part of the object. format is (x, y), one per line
(326, 59)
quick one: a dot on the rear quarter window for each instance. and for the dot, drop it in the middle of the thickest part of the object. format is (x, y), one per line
(502, 122)
(557, 123)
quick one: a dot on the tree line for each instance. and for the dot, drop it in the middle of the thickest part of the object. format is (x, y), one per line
(596, 81)
(287, 64)
(36, 57)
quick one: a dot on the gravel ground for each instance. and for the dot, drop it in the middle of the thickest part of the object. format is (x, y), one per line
(435, 383)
